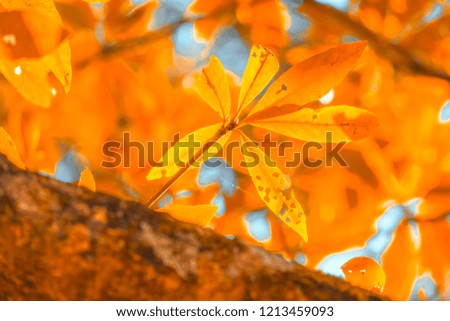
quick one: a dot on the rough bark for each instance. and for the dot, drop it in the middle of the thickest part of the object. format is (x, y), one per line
(62, 242)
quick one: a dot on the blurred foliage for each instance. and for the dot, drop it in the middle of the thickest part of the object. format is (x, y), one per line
(76, 74)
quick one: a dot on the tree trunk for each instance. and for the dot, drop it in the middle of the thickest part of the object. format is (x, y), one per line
(62, 242)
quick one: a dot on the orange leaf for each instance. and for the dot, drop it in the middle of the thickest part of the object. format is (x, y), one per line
(365, 272)
(198, 214)
(341, 205)
(274, 187)
(29, 34)
(60, 65)
(267, 21)
(206, 27)
(30, 78)
(76, 15)
(41, 5)
(8, 148)
(58, 62)
(212, 85)
(435, 204)
(214, 14)
(262, 65)
(198, 195)
(346, 123)
(124, 20)
(400, 264)
(87, 180)
(183, 151)
(312, 78)
(205, 6)
(434, 252)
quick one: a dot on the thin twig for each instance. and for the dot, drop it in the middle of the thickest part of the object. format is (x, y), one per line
(398, 55)
(114, 48)
(151, 202)
(111, 49)
(440, 218)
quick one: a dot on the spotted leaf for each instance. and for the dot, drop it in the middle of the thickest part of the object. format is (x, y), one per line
(274, 187)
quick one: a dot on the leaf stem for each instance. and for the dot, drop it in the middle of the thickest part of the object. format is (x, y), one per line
(220, 133)
(238, 114)
(440, 218)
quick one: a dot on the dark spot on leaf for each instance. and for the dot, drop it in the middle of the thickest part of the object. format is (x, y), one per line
(266, 198)
(287, 195)
(352, 197)
(123, 121)
(283, 87)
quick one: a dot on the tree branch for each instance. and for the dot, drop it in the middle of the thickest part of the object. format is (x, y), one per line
(400, 57)
(125, 45)
(110, 49)
(63, 242)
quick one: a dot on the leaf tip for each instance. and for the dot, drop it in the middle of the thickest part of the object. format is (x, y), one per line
(87, 180)
(155, 173)
(8, 148)
(359, 46)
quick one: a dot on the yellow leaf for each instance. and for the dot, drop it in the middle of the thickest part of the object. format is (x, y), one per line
(262, 65)
(29, 34)
(346, 123)
(42, 5)
(30, 78)
(365, 272)
(212, 85)
(179, 155)
(87, 180)
(59, 61)
(274, 187)
(198, 214)
(60, 65)
(312, 78)
(8, 148)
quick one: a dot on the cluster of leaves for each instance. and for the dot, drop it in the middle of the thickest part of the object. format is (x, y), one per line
(280, 110)
(74, 75)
